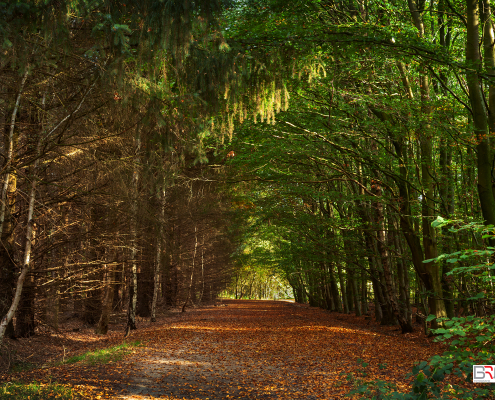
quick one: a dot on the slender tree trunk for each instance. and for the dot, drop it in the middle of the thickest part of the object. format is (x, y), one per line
(158, 262)
(10, 151)
(26, 265)
(335, 288)
(131, 311)
(202, 270)
(192, 268)
(342, 288)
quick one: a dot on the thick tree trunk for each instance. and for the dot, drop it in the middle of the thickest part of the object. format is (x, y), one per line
(479, 113)
(404, 289)
(107, 301)
(52, 303)
(434, 269)
(446, 191)
(391, 295)
(156, 279)
(355, 295)
(364, 293)
(8, 253)
(25, 322)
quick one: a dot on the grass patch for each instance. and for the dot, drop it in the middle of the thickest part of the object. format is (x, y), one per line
(103, 356)
(22, 366)
(34, 391)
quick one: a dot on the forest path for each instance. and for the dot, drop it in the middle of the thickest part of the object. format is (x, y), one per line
(265, 350)
(239, 350)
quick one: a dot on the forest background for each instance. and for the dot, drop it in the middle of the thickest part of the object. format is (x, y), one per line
(165, 152)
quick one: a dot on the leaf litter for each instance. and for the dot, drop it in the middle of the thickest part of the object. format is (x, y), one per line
(247, 350)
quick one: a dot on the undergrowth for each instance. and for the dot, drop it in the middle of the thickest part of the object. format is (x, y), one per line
(102, 356)
(35, 391)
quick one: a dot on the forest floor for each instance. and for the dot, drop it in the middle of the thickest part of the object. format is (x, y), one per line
(238, 350)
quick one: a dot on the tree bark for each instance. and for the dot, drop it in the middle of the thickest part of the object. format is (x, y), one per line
(192, 268)
(158, 261)
(479, 114)
(131, 310)
(10, 151)
(26, 265)
(106, 309)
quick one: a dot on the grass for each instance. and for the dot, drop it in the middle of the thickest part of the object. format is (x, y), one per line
(34, 391)
(45, 391)
(103, 356)
(22, 366)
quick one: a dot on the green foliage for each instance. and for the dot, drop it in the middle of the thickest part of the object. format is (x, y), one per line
(473, 262)
(429, 382)
(471, 339)
(35, 391)
(363, 388)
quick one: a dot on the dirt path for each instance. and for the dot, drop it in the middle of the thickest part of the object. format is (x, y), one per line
(265, 350)
(252, 350)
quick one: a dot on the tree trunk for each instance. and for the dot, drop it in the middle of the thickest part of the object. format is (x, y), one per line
(192, 268)
(106, 308)
(335, 288)
(26, 265)
(479, 113)
(391, 296)
(25, 322)
(159, 256)
(404, 289)
(342, 288)
(10, 151)
(131, 311)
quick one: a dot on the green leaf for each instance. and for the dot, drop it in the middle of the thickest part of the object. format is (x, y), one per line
(430, 317)
(439, 222)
